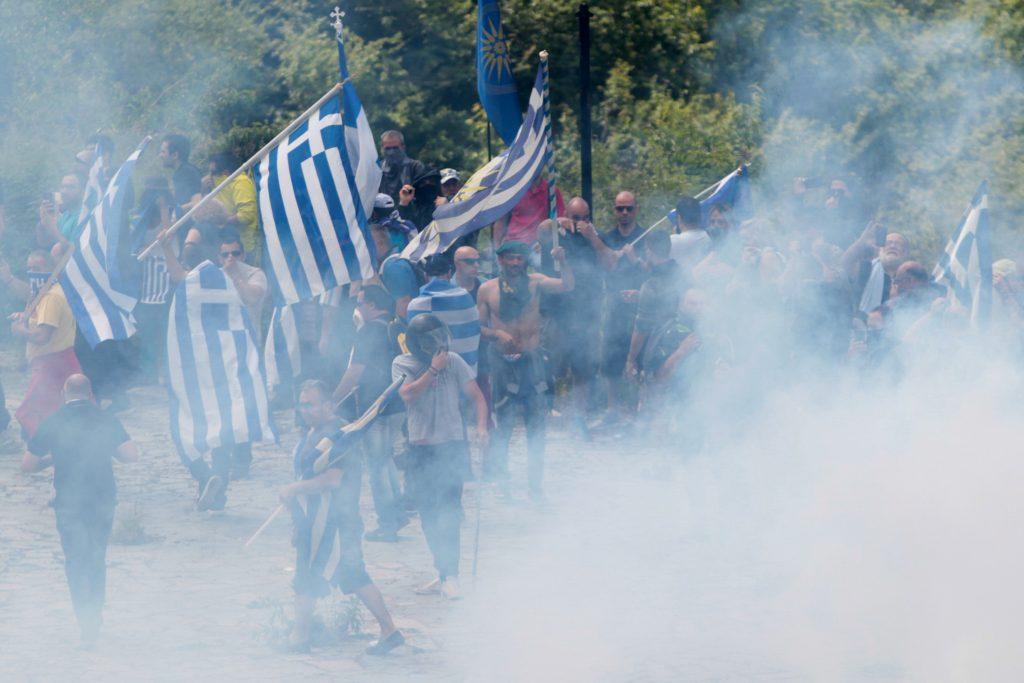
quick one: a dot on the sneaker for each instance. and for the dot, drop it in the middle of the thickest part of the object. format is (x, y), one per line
(380, 535)
(213, 490)
(386, 645)
(450, 588)
(429, 588)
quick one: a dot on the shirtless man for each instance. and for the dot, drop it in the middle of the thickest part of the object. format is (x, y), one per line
(510, 319)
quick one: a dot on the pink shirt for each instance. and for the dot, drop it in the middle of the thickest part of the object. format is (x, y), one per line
(530, 211)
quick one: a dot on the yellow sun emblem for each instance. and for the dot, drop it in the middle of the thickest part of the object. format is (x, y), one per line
(496, 53)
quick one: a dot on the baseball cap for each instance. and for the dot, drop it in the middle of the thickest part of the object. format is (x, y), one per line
(448, 174)
(383, 201)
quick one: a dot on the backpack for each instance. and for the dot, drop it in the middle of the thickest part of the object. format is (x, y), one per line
(661, 344)
(417, 270)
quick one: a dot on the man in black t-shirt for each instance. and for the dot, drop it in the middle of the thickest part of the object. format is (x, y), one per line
(368, 375)
(625, 275)
(80, 441)
(186, 180)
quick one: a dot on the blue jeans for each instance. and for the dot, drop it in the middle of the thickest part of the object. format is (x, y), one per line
(380, 465)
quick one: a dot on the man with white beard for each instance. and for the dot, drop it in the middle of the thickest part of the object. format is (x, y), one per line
(871, 263)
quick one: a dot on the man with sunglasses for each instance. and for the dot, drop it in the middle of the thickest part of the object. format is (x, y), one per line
(251, 283)
(624, 275)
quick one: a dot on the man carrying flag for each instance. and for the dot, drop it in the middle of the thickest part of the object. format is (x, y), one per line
(966, 266)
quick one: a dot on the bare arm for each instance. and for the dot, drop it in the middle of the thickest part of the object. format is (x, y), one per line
(19, 289)
(40, 335)
(550, 285)
(472, 391)
(349, 381)
(325, 481)
(411, 391)
(34, 463)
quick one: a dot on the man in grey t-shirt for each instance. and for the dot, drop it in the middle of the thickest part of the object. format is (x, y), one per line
(438, 453)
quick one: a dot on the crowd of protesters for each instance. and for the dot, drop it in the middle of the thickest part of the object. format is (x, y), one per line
(612, 327)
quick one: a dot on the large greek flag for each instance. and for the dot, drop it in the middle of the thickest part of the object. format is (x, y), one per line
(316, 190)
(494, 190)
(966, 266)
(282, 354)
(218, 395)
(95, 185)
(100, 294)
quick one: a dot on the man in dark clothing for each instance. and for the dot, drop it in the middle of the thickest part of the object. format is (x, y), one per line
(658, 299)
(625, 274)
(79, 441)
(418, 206)
(186, 180)
(328, 529)
(576, 315)
(368, 375)
(399, 171)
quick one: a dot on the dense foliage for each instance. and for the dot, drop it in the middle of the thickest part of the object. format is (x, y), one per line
(916, 101)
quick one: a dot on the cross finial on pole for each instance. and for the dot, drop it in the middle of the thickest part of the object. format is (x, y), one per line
(336, 15)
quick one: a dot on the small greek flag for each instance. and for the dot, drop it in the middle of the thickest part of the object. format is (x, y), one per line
(100, 294)
(966, 266)
(316, 190)
(217, 391)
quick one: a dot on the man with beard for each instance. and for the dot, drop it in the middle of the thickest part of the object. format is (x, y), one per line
(510, 319)
(872, 261)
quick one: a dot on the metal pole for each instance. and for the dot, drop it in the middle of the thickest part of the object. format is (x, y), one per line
(549, 162)
(244, 167)
(586, 171)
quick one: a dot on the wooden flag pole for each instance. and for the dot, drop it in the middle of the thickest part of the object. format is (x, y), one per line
(164, 234)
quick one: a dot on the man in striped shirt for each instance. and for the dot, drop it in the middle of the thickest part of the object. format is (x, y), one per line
(453, 305)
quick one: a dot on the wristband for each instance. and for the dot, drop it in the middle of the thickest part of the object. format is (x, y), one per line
(432, 370)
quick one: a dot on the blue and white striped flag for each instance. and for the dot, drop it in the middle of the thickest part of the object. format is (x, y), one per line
(218, 395)
(282, 354)
(316, 191)
(966, 267)
(494, 190)
(96, 185)
(100, 294)
(456, 309)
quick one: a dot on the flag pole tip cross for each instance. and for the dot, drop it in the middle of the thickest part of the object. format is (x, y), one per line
(336, 16)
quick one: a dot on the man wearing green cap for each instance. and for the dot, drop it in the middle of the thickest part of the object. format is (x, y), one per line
(510, 318)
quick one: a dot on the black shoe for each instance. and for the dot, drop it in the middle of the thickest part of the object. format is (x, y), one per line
(386, 645)
(212, 493)
(382, 536)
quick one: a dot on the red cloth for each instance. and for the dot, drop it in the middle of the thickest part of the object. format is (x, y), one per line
(43, 398)
(530, 211)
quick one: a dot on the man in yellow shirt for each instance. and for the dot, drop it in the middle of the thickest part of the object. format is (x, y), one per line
(50, 337)
(239, 202)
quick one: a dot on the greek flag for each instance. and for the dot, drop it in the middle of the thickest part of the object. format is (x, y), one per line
(95, 186)
(316, 190)
(966, 267)
(456, 309)
(218, 396)
(100, 294)
(733, 191)
(494, 190)
(282, 354)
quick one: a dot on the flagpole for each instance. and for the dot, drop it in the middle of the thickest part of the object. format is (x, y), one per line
(244, 167)
(549, 162)
(664, 218)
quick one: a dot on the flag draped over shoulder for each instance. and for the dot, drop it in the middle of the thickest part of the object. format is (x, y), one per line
(966, 266)
(494, 190)
(217, 391)
(316, 192)
(100, 293)
(494, 81)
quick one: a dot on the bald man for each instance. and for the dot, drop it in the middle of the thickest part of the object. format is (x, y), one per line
(80, 441)
(624, 276)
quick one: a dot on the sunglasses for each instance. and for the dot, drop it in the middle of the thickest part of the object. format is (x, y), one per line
(236, 253)
(625, 209)
(579, 219)
(470, 261)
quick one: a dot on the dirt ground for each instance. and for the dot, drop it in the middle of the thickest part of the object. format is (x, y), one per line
(186, 599)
